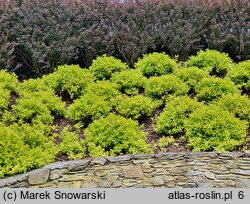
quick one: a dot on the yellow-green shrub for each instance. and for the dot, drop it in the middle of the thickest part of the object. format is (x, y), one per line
(25, 147)
(103, 67)
(29, 111)
(106, 89)
(52, 102)
(165, 142)
(211, 88)
(69, 78)
(156, 64)
(8, 81)
(71, 145)
(211, 60)
(175, 113)
(191, 75)
(240, 74)
(31, 86)
(238, 105)
(40, 106)
(213, 129)
(134, 107)
(130, 81)
(4, 99)
(163, 86)
(115, 135)
(89, 106)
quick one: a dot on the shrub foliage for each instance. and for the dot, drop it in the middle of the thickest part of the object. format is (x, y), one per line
(71, 145)
(69, 32)
(211, 60)
(115, 135)
(134, 107)
(74, 111)
(175, 113)
(240, 74)
(211, 88)
(25, 147)
(212, 129)
(103, 67)
(191, 75)
(164, 86)
(129, 82)
(238, 105)
(156, 64)
(69, 78)
(87, 107)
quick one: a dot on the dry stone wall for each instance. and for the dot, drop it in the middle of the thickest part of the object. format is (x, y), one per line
(209, 169)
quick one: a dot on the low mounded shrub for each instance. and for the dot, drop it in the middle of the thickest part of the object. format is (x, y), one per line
(31, 86)
(52, 102)
(29, 111)
(130, 81)
(4, 99)
(71, 145)
(209, 89)
(106, 89)
(191, 75)
(103, 67)
(163, 86)
(211, 60)
(247, 86)
(175, 113)
(41, 106)
(134, 107)
(213, 129)
(240, 74)
(115, 135)
(25, 147)
(8, 81)
(89, 106)
(156, 64)
(69, 78)
(238, 105)
(165, 142)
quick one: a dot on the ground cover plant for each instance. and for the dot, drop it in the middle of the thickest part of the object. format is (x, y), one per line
(112, 109)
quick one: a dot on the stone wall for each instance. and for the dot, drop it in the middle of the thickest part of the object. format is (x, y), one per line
(163, 170)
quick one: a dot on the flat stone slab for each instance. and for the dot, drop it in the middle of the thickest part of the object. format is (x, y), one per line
(78, 165)
(143, 156)
(133, 172)
(240, 172)
(57, 173)
(170, 155)
(57, 165)
(118, 159)
(231, 154)
(38, 177)
(200, 154)
(158, 181)
(100, 161)
(209, 175)
(12, 180)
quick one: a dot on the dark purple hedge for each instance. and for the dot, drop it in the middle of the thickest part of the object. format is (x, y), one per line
(38, 35)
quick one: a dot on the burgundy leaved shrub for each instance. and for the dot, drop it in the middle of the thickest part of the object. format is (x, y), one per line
(39, 35)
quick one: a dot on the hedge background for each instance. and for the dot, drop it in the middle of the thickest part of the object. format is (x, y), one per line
(38, 35)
